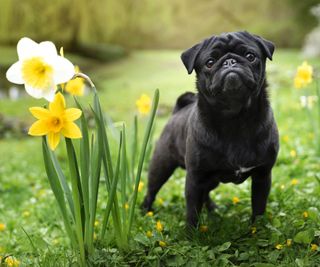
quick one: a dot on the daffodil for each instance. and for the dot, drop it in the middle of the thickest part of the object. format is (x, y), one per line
(303, 76)
(75, 86)
(55, 121)
(39, 68)
(144, 104)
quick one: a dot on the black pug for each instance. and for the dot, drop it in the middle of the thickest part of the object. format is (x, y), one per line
(224, 133)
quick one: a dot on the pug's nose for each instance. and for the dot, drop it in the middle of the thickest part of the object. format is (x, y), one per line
(229, 63)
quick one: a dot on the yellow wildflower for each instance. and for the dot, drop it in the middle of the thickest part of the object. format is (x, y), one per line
(289, 242)
(279, 246)
(282, 186)
(149, 213)
(235, 200)
(144, 104)
(96, 223)
(293, 153)
(12, 262)
(75, 86)
(26, 213)
(294, 181)
(140, 187)
(314, 247)
(285, 138)
(253, 230)
(126, 206)
(2, 227)
(305, 214)
(160, 201)
(149, 234)
(55, 121)
(162, 244)
(159, 226)
(303, 76)
(203, 228)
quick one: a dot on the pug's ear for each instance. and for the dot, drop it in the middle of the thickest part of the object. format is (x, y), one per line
(189, 56)
(266, 46)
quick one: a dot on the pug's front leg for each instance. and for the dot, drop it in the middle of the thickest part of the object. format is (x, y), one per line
(260, 188)
(194, 197)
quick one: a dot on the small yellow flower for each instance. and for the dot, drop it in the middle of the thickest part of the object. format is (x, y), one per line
(12, 262)
(2, 227)
(203, 228)
(285, 138)
(26, 213)
(303, 76)
(75, 86)
(149, 213)
(253, 230)
(289, 242)
(144, 104)
(149, 234)
(160, 201)
(282, 186)
(126, 206)
(159, 226)
(235, 200)
(293, 153)
(162, 244)
(140, 187)
(55, 121)
(305, 214)
(314, 247)
(294, 181)
(96, 223)
(279, 246)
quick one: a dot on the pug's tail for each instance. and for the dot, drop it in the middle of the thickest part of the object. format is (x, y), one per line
(184, 100)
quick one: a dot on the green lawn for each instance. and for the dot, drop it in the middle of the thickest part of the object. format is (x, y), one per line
(34, 232)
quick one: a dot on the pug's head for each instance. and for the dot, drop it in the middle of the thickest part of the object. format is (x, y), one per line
(230, 68)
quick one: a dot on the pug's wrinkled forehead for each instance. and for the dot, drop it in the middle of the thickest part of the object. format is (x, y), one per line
(233, 42)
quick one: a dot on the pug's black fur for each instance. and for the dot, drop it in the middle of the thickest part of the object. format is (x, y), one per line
(224, 133)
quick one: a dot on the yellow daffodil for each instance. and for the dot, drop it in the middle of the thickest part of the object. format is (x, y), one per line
(162, 244)
(75, 86)
(289, 242)
(144, 104)
(2, 227)
(294, 181)
(149, 213)
(303, 76)
(305, 214)
(314, 247)
(140, 187)
(279, 246)
(55, 121)
(39, 68)
(203, 228)
(11, 262)
(159, 226)
(235, 200)
(149, 234)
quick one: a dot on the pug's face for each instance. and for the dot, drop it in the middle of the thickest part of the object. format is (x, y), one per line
(230, 68)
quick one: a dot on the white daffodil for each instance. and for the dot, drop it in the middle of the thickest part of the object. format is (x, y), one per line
(39, 68)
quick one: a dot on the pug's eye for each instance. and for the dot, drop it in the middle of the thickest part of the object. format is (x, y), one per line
(210, 63)
(251, 57)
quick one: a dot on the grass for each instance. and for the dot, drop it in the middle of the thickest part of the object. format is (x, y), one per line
(34, 233)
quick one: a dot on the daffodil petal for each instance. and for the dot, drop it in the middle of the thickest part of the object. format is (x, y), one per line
(71, 130)
(48, 49)
(53, 140)
(14, 73)
(27, 48)
(71, 114)
(40, 113)
(58, 105)
(38, 128)
(63, 70)
(34, 92)
(49, 94)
